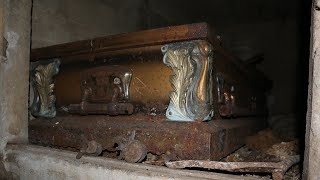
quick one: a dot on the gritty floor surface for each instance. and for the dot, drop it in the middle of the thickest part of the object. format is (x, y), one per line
(265, 146)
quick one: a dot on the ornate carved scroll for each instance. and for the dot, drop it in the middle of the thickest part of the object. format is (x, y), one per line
(41, 77)
(192, 82)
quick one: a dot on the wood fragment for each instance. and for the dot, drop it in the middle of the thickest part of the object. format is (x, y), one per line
(277, 168)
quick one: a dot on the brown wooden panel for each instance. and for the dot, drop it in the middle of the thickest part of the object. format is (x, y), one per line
(150, 82)
(88, 49)
(142, 43)
(141, 52)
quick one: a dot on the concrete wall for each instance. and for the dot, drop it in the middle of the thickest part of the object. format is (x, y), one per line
(14, 71)
(15, 28)
(312, 141)
(61, 21)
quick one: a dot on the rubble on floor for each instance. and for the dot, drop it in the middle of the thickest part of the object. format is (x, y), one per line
(266, 148)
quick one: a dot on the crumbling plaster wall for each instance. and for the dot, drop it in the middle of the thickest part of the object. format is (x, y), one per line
(14, 71)
(312, 141)
(15, 25)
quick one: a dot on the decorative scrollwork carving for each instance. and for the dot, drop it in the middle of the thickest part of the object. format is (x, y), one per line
(192, 83)
(41, 75)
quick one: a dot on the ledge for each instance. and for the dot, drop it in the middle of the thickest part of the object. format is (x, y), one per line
(35, 162)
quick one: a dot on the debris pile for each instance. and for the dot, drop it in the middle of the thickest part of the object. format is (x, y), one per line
(266, 146)
(263, 153)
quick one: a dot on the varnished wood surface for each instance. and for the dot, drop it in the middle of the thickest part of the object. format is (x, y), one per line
(141, 51)
(125, 43)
